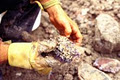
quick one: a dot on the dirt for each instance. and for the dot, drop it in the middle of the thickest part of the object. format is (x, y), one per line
(84, 12)
(63, 72)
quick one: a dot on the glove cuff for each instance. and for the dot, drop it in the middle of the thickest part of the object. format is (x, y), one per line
(26, 55)
(18, 55)
(46, 4)
(50, 3)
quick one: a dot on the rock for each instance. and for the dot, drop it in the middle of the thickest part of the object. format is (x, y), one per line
(28, 37)
(88, 52)
(66, 50)
(66, 71)
(68, 77)
(87, 72)
(110, 1)
(79, 18)
(107, 38)
(107, 64)
(118, 15)
(18, 74)
(84, 11)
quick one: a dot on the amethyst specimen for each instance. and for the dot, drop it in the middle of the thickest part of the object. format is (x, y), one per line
(61, 47)
(65, 49)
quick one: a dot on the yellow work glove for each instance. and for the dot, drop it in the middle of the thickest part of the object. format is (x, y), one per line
(27, 55)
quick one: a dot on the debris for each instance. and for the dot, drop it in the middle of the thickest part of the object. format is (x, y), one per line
(107, 64)
(68, 77)
(66, 71)
(66, 49)
(88, 52)
(87, 72)
(84, 11)
(61, 48)
(18, 74)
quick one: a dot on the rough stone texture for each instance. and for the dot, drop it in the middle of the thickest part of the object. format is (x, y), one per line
(87, 72)
(68, 77)
(107, 65)
(107, 38)
(66, 49)
(66, 71)
(86, 25)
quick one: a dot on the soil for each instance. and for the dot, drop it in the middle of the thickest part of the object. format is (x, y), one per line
(84, 13)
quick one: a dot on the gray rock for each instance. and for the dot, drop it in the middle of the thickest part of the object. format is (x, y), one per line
(87, 72)
(18, 74)
(68, 77)
(107, 65)
(107, 38)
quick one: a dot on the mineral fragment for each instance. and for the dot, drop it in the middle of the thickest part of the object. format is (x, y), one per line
(107, 65)
(87, 72)
(66, 49)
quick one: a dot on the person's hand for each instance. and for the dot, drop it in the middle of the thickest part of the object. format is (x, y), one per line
(64, 24)
(29, 56)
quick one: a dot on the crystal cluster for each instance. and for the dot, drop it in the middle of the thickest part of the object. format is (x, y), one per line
(61, 48)
(65, 49)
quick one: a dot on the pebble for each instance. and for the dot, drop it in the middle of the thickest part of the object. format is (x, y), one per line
(68, 77)
(84, 11)
(87, 72)
(18, 74)
(107, 65)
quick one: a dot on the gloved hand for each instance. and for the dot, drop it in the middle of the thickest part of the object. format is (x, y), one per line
(27, 55)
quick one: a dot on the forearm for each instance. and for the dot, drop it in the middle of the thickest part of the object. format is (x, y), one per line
(3, 52)
(43, 1)
(46, 4)
(54, 10)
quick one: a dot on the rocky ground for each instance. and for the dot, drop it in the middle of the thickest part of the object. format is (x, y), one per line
(98, 21)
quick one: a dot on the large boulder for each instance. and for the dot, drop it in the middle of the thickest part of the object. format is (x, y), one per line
(107, 34)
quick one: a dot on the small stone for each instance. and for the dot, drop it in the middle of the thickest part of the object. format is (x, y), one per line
(88, 52)
(110, 1)
(84, 11)
(45, 24)
(18, 74)
(87, 72)
(68, 77)
(79, 17)
(118, 15)
(107, 65)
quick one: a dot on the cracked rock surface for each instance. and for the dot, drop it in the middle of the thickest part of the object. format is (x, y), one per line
(84, 13)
